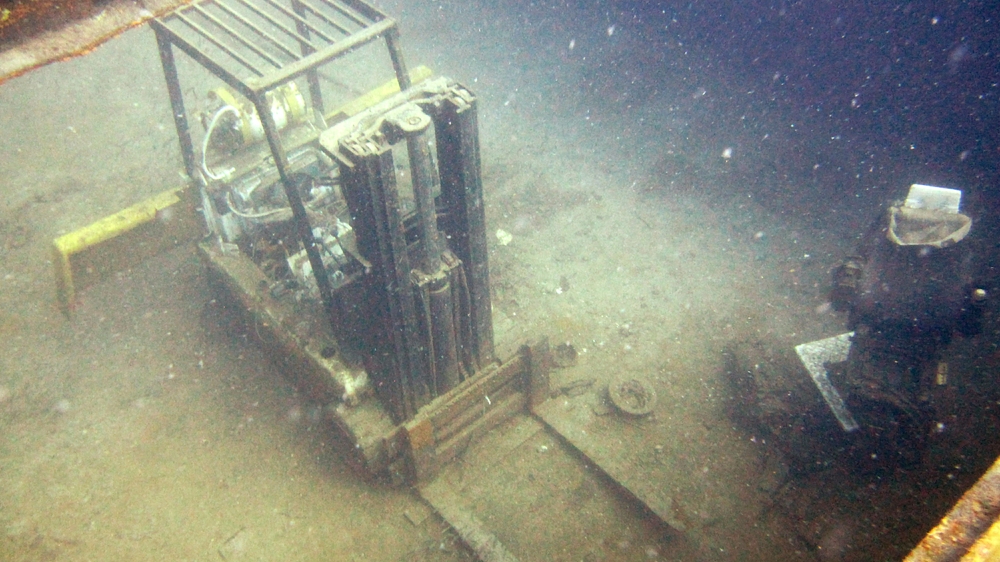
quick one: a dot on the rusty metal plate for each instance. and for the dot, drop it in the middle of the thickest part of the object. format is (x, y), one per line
(971, 517)
(34, 33)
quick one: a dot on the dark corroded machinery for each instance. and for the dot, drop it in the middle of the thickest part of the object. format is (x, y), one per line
(910, 287)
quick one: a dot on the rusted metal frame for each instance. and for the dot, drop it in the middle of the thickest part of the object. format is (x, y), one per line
(164, 44)
(538, 357)
(338, 49)
(258, 31)
(437, 294)
(319, 14)
(275, 321)
(361, 167)
(473, 425)
(452, 508)
(365, 425)
(395, 259)
(315, 91)
(443, 428)
(425, 317)
(463, 318)
(439, 431)
(424, 177)
(225, 27)
(457, 133)
(204, 33)
(466, 364)
(366, 10)
(279, 25)
(478, 400)
(203, 59)
(350, 14)
(301, 21)
(393, 43)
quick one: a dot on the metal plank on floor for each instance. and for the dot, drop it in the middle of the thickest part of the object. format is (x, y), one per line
(679, 469)
(521, 492)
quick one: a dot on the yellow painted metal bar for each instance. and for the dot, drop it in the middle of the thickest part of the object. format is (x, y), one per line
(67, 247)
(386, 90)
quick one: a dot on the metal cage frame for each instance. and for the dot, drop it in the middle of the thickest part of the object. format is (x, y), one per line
(251, 46)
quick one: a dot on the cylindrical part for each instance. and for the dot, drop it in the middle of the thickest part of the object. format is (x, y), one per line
(446, 371)
(425, 180)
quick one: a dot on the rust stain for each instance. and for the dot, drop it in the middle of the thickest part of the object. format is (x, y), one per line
(34, 33)
(421, 434)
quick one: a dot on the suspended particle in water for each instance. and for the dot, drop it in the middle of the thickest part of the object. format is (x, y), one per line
(62, 407)
(727, 153)
(572, 43)
(957, 56)
(611, 31)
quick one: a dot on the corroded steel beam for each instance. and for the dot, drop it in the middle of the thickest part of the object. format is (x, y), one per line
(971, 517)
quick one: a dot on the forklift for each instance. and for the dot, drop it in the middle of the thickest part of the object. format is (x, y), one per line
(351, 239)
(354, 238)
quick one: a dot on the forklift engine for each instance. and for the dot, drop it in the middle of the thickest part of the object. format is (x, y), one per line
(251, 214)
